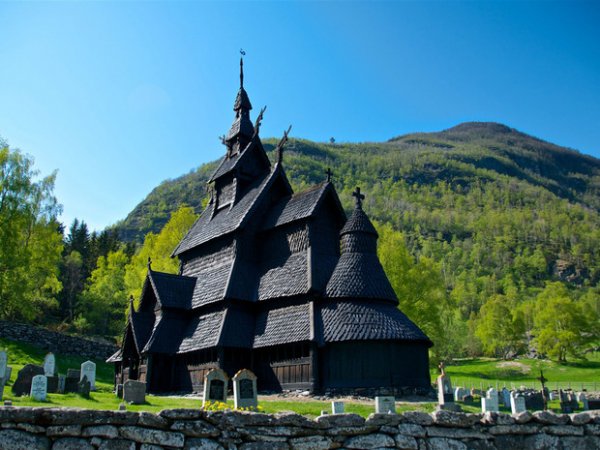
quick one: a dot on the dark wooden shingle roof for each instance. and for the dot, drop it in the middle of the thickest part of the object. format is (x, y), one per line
(172, 291)
(360, 320)
(282, 326)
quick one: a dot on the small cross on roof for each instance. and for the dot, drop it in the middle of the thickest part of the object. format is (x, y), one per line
(359, 197)
(329, 174)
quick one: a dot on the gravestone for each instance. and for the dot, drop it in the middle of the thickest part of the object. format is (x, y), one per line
(444, 385)
(553, 395)
(134, 392)
(73, 373)
(468, 399)
(517, 403)
(49, 365)
(88, 370)
(490, 401)
(581, 397)
(39, 388)
(568, 402)
(119, 390)
(505, 397)
(385, 405)
(7, 374)
(215, 386)
(244, 389)
(22, 385)
(52, 384)
(3, 363)
(534, 401)
(459, 394)
(593, 404)
(337, 407)
(84, 387)
(61, 384)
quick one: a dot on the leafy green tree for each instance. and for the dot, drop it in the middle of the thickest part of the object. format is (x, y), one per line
(30, 238)
(159, 248)
(561, 327)
(500, 327)
(417, 284)
(105, 297)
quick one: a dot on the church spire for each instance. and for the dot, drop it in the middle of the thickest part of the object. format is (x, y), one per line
(242, 130)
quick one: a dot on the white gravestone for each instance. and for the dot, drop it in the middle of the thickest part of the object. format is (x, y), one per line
(581, 397)
(384, 405)
(49, 365)
(3, 362)
(490, 401)
(459, 394)
(39, 388)
(244, 390)
(88, 369)
(517, 403)
(337, 407)
(215, 387)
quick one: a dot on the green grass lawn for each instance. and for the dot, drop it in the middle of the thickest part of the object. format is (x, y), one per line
(486, 372)
(467, 372)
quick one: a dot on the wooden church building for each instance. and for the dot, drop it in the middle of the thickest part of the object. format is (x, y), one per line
(278, 282)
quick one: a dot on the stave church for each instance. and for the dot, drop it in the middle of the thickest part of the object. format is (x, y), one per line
(282, 283)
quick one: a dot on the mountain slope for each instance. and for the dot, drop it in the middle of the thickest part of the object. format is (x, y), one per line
(486, 200)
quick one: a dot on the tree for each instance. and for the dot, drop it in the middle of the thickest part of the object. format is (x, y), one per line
(105, 297)
(30, 238)
(158, 247)
(417, 284)
(561, 327)
(500, 327)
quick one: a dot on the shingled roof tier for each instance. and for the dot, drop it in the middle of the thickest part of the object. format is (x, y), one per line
(172, 291)
(282, 326)
(360, 320)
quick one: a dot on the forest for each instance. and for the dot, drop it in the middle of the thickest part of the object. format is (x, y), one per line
(490, 237)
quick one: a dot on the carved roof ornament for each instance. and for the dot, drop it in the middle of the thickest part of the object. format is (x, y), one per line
(329, 174)
(149, 263)
(281, 145)
(259, 120)
(359, 197)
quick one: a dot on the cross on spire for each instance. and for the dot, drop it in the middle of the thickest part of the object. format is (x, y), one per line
(242, 53)
(329, 174)
(359, 197)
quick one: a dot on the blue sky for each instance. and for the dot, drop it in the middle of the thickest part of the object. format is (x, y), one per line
(119, 96)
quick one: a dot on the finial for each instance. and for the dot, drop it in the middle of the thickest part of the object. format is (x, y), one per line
(242, 53)
(442, 368)
(131, 299)
(359, 197)
(259, 119)
(281, 144)
(329, 174)
(149, 263)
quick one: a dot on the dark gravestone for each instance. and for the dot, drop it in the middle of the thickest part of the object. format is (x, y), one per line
(84, 387)
(72, 381)
(52, 384)
(246, 389)
(593, 403)
(534, 401)
(119, 390)
(468, 399)
(216, 392)
(22, 385)
(134, 392)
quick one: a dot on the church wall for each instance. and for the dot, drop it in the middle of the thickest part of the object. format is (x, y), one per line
(324, 248)
(376, 364)
(283, 367)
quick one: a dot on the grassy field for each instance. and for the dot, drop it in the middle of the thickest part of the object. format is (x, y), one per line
(485, 372)
(468, 372)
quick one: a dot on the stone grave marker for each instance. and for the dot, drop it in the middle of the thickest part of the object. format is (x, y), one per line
(1, 389)
(459, 393)
(581, 397)
(88, 370)
(22, 385)
(244, 389)
(3, 363)
(505, 397)
(39, 388)
(534, 401)
(568, 402)
(7, 374)
(468, 399)
(552, 395)
(384, 405)
(49, 365)
(337, 407)
(593, 404)
(490, 401)
(444, 385)
(134, 392)
(72, 380)
(517, 403)
(215, 386)
(119, 390)
(84, 387)
(61, 384)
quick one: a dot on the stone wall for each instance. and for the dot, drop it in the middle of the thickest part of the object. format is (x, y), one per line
(64, 429)
(59, 343)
